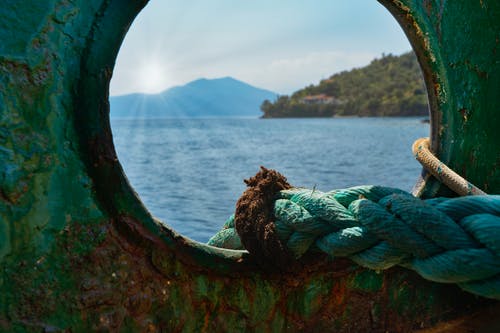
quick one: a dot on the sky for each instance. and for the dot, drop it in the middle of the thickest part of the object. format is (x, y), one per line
(279, 45)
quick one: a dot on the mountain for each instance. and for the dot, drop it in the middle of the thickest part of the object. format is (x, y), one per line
(224, 97)
(389, 86)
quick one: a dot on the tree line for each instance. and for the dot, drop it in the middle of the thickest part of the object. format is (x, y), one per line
(388, 86)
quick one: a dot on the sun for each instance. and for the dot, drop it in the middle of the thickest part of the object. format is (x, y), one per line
(153, 77)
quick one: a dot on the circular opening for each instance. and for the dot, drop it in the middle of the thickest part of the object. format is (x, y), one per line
(180, 61)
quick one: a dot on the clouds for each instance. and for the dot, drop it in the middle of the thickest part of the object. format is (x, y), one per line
(277, 45)
(289, 74)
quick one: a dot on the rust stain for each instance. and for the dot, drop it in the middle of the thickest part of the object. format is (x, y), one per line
(428, 7)
(464, 112)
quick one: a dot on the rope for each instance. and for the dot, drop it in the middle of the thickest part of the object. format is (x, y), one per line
(444, 240)
(421, 150)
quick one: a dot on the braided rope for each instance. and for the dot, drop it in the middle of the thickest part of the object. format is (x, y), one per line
(444, 240)
(421, 150)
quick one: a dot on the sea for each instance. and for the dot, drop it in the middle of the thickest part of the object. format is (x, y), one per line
(189, 172)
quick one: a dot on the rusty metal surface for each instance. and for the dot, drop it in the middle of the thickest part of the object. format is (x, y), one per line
(79, 251)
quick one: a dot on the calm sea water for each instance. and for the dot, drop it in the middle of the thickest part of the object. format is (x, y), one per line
(189, 172)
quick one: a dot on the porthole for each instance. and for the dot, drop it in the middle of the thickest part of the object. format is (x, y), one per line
(188, 166)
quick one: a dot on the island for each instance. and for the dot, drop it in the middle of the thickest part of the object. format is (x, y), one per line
(390, 86)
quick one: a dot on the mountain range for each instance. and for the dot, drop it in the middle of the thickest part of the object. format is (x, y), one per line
(222, 97)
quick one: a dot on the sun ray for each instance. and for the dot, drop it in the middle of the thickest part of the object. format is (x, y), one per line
(152, 77)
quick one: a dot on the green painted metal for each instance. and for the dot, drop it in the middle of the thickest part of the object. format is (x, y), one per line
(79, 251)
(457, 43)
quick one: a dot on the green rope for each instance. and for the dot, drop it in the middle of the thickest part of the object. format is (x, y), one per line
(444, 240)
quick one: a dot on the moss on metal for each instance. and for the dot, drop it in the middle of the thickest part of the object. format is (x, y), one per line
(79, 252)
